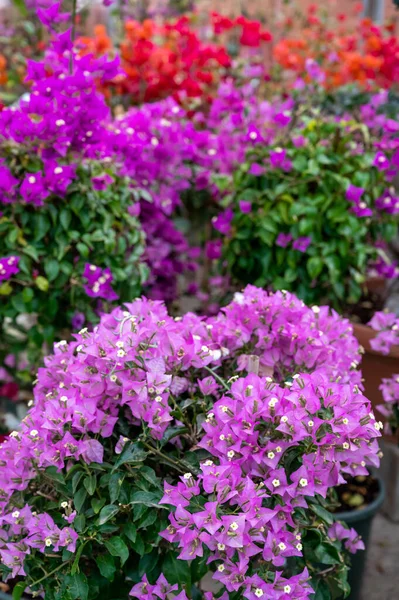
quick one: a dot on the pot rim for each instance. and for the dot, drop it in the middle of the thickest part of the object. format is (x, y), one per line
(364, 333)
(354, 516)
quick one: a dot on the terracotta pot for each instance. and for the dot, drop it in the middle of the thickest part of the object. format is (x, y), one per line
(375, 366)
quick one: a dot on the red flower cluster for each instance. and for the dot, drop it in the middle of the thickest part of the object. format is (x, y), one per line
(251, 32)
(163, 60)
(368, 55)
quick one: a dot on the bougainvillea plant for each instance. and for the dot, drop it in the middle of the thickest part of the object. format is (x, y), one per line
(348, 51)
(308, 209)
(157, 450)
(161, 60)
(387, 327)
(70, 238)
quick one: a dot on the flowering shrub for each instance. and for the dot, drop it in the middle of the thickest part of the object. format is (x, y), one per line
(70, 238)
(387, 326)
(157, 449)
(161, 60)
(308, 207)
(367, 55)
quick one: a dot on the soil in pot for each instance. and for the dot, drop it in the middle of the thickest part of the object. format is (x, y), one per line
(360, 499)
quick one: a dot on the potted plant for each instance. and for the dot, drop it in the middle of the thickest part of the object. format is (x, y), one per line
(308, 212)
(358, 501)
(158, 449)
(70, 238)
(311, 212)
(385, 344)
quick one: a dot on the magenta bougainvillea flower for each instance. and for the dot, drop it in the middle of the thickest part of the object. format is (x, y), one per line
(8, 267)
(226, 430)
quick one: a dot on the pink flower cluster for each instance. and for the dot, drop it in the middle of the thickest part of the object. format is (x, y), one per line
(98, 283)
(271, 378)
(387, 326)
(8, 267)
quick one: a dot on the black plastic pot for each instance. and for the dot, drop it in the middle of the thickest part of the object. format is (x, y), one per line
(361, 521)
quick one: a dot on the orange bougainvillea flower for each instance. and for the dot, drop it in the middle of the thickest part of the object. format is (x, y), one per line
(3, 70)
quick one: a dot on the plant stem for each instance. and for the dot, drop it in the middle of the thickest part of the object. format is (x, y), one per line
(218, 378)
(179, 466)
(49, 574)
(73, 33)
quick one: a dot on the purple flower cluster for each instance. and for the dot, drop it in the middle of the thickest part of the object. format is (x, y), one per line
(99, 283)
(353, 542)
(8, 267)
(272, 379)
(387, 327)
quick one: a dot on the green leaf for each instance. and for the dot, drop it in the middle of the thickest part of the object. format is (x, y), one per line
(314, 266)
(18, 590)
(139, 546)
(131, 453)
(97, 504)
(321, 589)
(321, 512)
(79, 498)
(75, 480)
(176, 571)
(78, 586)
(27, 295)
(106, 566)
(65, 218)
(32, 252)
(117, 547)
(90, 484)
(150, 476)
(107, 513)
(172, 432)
(5, 289)
(327, 554)
(42, 226)
(51, 268)
(147, 498)
(130, 532)
(83, 250)
(42, 283)
(114, 485)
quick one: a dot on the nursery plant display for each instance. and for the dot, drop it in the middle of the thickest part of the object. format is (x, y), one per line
(70, 238)
(158, 449)
(309, 211)
(385, 344)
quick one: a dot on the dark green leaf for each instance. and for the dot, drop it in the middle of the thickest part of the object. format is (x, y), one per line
(90, 484)
(107, 513)
(78, 586)
(106, 566)
(18, 590)
(176, 571)
(79, 498)
(131, 453)
(130, 532)
(172, 432)
(52, 268)
(117, 547)
(114, 485)
(97, 504)
(65, 218)
(322, 513)
(146, 498)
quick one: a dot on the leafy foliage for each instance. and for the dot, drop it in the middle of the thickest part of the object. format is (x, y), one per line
(309, 201)
(54, 242)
